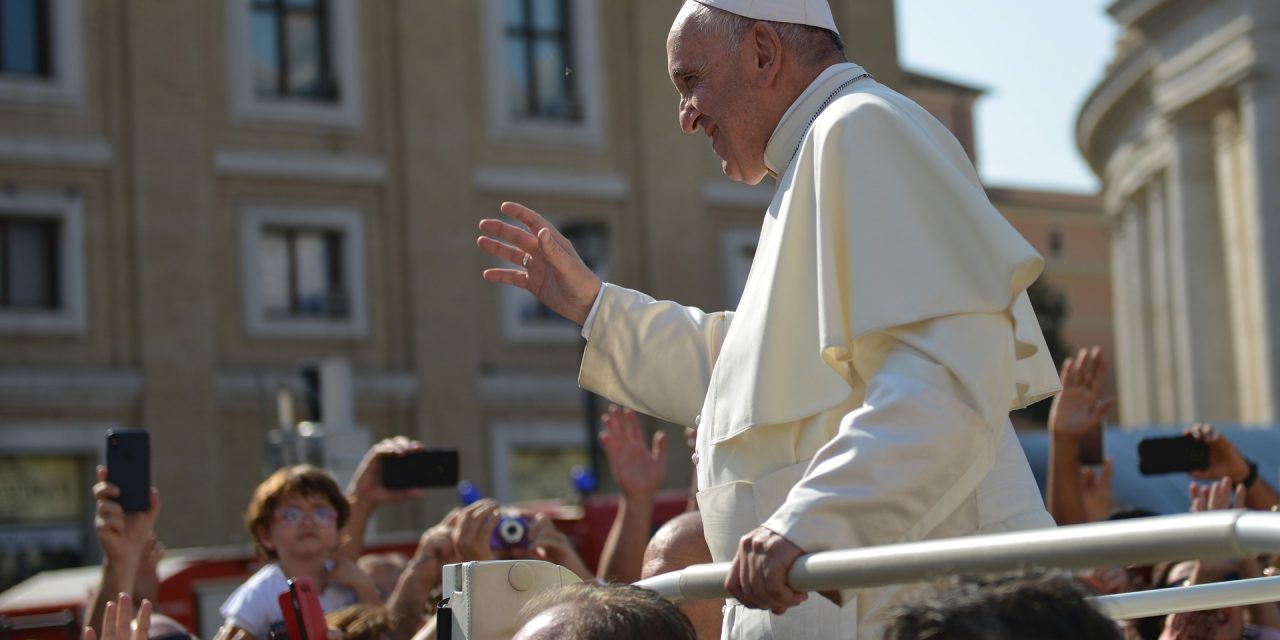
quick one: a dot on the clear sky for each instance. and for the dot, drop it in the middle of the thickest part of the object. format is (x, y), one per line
(1037, 61)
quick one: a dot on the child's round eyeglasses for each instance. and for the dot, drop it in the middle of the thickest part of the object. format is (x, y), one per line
(294, 515)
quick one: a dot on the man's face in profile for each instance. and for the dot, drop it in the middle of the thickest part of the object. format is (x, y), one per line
(717, 95)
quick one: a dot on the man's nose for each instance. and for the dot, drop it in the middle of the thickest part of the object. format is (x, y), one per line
(688, 116)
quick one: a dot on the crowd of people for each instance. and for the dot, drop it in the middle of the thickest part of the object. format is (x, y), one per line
(1080, 492)
(303, 524)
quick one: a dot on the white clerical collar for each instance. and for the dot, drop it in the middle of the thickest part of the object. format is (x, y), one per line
(786, 137)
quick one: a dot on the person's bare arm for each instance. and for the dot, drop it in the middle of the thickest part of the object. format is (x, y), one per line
(408, 604)
(550, 544)
(366, 493)
(347, 574)
(124, 538)
(638, 472)
(1076, 412)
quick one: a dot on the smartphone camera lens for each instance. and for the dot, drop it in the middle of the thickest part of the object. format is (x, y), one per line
(115, 441)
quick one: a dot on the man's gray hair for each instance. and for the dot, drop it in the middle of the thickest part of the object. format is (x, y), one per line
(813, 44)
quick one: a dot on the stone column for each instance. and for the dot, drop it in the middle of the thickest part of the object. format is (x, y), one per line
(1163, 376)
(1200, 326)
(1260, 123)
(1244, 296)
(1128, 257)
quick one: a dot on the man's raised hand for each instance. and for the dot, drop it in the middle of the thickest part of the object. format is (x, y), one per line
(549, 267)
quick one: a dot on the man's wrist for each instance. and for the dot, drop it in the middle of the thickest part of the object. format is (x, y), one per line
(636, 502)
(1251, 474)
(119, 576)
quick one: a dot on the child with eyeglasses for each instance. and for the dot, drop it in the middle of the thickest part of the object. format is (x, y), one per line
(295, 518)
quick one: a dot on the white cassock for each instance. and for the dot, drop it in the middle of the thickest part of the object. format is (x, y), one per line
(859, 394)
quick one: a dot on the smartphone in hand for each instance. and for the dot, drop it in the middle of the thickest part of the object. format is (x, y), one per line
(427, 468)
(1172, 454)
(300, 606)
(129, 467)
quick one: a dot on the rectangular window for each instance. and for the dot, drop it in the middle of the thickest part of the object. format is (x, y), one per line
(291, 50)
(539, 50)
(302, 274)
(25, 36)
(30, 263)
(1055, 243)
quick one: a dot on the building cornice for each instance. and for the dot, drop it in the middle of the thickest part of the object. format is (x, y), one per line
(55, 151)
(71, 387)
(594, 185)
(318, 167)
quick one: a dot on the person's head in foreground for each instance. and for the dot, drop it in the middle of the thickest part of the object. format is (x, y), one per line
(1006, 607)
(737, 76)
(678, 544)
(602, 612)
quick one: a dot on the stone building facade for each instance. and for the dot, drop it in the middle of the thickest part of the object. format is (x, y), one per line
(199, 199)
(1182, 130)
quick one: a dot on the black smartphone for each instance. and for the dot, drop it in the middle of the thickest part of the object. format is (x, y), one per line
(129, 467)
(1173, 454)
(426, 468)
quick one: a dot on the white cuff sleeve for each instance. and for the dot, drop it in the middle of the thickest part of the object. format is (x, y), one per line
(591, 317)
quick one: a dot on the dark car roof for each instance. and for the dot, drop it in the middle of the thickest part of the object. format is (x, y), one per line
(1163, 494)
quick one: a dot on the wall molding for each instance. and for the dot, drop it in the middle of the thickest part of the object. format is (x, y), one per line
(319, 167)
(594, 185)
(56, 151)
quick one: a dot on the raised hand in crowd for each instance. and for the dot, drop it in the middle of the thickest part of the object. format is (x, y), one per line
(119, 623)
(347, 574)
(550, 268)
(1076, 413)
(550, 544)
(128, 544)
(366, 493)
(639, 472)
(472, 529)
(1225, 460)
(1227, 622)
(410, 604)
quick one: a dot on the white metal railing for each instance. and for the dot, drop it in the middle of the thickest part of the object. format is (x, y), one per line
(1206, 535)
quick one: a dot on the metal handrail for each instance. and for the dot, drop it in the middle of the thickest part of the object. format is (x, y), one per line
(1201, 597)
(1205, 535)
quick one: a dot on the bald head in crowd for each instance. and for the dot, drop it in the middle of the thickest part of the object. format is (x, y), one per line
(679, 544)
(602, 612)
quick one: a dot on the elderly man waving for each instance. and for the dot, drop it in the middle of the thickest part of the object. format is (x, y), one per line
(859, 394)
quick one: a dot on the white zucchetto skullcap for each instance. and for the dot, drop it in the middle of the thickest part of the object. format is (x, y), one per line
(816, 13)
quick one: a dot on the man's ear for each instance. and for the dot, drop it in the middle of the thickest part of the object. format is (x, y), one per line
(768, 53)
